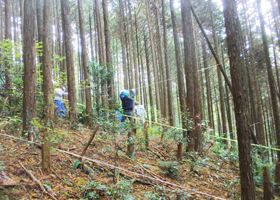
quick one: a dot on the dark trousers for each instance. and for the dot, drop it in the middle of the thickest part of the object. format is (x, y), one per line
(126, 114)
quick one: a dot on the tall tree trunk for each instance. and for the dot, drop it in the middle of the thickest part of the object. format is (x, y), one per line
(110, 81)
(179, 76)
(29, 76)
(149, 77)
(167, 70)
(258, 123)
(271, 81)
(154, 61)
(123, 46)
(85, 65)
(69, 59)
(160, 61)
(101, 51)
(208, 86)
(47, 85)
(8, 37)
(39, 11)
(221, 89)
(235, 52)
(194, 102)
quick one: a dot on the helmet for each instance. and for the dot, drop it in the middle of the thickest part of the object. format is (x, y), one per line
(126, 93)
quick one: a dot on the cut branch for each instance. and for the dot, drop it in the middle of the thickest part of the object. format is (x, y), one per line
(38, 182)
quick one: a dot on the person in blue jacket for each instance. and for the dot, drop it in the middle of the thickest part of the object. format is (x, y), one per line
(127, 104)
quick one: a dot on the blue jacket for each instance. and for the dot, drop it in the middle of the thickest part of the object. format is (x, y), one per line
(127, 102)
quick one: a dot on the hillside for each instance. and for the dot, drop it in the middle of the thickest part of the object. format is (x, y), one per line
(213, 173)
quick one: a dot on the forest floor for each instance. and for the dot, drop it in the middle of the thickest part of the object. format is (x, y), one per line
(210, 172)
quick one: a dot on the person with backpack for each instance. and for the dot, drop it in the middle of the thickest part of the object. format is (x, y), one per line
(140, 113)
(127, 104)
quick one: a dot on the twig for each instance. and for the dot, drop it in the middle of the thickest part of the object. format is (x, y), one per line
(4, 104)
(38, 182)
(91, 138)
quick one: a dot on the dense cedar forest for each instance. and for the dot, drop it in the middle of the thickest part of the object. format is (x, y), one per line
(205, 74)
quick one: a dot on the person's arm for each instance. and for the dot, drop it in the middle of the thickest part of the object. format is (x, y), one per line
(64, 93)
(121, 95)
(145, 113)
(133, 94)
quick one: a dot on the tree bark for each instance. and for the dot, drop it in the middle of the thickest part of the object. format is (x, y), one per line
(194, 102)
(235, 52)
(29, 77)
(267, 184)
(47, 85)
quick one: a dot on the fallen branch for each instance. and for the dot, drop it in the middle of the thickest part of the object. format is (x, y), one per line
(136, 179)
(161, 153)
(156, 153)
(145, 169)
(38, 182)
(67, 149)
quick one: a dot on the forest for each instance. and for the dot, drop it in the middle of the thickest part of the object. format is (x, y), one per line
(130, 99)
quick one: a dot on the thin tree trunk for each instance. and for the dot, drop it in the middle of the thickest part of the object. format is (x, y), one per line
(110, 81)
(47, 86)
(85, 66)
(179, 76)
(167, 71)
(271, 80)
(102, 59)
(221, 89)
(208, 86)
(69, 59)
(154, 61)
(149, 77)
(8, 37)
(39, 11)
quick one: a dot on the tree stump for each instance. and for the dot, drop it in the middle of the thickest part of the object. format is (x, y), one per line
(146, 135)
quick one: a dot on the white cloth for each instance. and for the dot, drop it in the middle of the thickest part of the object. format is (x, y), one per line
(58, 92)
(140, 113)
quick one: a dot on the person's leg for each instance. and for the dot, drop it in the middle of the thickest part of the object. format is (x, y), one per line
(62, 109)
(129, 113)
(57, 106)
(123, 117)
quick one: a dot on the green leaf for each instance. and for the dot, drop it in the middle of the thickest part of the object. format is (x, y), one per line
(47, 186)
(76, 164)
